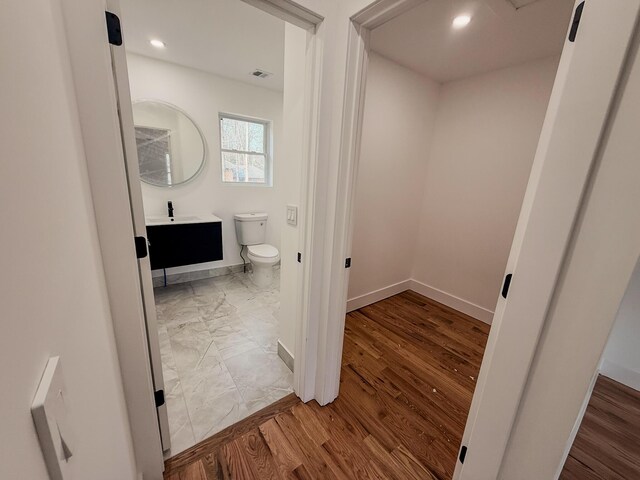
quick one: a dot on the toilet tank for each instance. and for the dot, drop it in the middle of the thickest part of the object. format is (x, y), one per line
(251, 228)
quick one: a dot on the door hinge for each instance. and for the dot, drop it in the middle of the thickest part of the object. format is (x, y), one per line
(141, 247)
(114, 31)
(507, 284)
(463, 453)
(347, 263)
(159, 396)
(576, 22)
(299, 257)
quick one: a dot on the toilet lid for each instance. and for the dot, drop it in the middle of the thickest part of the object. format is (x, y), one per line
(263, 250)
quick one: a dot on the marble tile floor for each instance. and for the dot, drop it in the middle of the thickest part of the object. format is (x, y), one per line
(218, 340)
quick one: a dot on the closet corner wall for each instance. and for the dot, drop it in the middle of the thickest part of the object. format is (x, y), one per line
(442, 174)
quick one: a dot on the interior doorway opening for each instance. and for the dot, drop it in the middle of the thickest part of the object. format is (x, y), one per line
(452, 117)
(213, 124)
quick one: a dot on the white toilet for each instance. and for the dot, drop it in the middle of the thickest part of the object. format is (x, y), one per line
(251, 229)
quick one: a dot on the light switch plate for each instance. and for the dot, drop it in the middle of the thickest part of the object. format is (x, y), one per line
(49, 413)
(292, 215)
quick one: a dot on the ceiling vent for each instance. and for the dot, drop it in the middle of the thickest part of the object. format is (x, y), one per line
(517, 4)
(260, 73)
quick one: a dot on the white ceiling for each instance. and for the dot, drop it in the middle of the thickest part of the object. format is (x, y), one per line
(498, 36)
(225, 37)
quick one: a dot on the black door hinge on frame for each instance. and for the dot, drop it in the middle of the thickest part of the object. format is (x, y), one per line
(463, 453)
(159, 397)
(573, 33)
(114, 31)
(506, 285)
(141, 247)
(347, 263)
(299, 257)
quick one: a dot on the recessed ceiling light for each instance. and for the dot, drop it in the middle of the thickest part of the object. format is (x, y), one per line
(461, 21)
(157, 43)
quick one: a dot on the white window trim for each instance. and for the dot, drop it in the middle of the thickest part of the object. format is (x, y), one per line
(268, 153)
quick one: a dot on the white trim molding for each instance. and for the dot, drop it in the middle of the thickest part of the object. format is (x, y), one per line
(285, 355)
(440, 296)
(621, 374)
(457, 303)
(289, 12)
(378, 295)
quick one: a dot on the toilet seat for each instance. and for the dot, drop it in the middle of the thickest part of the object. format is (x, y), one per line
(263, 250)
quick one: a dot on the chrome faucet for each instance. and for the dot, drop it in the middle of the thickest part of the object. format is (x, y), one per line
(170, 208)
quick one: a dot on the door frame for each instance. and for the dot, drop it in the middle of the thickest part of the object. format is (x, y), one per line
(552, 203)
(331, 341)
(97, 101)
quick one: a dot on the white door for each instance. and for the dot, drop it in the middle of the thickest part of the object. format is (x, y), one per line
(125, 114)
(589, 71)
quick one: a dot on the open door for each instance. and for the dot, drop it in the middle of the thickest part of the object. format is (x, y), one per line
(590, 68)
(125, 115)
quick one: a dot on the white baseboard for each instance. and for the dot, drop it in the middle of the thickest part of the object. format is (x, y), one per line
(377, 295)
(452, 301)
(285, 355)
(619, 373)
(445, 298)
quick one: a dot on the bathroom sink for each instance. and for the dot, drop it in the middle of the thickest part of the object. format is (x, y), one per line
(164, 220)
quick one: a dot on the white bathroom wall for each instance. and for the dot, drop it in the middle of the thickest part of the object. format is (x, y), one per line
(295, 47)
(485, 138)
(53, 294)
(203, 96)
(399, 114)
(621, 359)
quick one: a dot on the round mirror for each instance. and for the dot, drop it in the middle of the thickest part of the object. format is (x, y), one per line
(171, 148)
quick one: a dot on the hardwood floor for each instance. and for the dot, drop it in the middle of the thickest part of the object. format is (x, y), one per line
(409, 369)
(608, 442)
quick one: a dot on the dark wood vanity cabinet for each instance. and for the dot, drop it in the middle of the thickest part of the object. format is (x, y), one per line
(174, 245)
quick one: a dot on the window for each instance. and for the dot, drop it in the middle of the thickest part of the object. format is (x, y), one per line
(244, 149)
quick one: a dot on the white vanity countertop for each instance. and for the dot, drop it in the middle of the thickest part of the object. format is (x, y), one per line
(182, 219)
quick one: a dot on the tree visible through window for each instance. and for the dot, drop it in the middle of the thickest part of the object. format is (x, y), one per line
(244, 150)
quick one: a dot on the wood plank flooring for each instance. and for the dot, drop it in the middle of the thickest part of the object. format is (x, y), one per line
(608, 442)
(409, 369)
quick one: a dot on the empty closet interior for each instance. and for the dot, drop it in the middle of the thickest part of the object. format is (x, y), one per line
(456, 97)
(452, 118)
